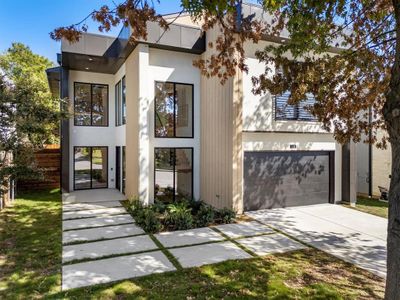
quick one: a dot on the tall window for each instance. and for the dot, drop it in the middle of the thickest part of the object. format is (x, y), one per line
(90, 104)
(173, 110)
(299, 111)
(123, 101)
(120, 103)
(90, 167)
(173, 174)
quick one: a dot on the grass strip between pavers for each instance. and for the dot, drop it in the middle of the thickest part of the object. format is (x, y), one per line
(168, 254)
(83, 260)
(227, 238)
(102, 226)
(287, 235)
(101, 216)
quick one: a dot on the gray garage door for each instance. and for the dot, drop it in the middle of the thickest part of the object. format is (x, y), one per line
(283, 179)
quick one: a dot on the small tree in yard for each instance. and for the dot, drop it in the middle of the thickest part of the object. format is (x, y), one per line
(29, 114)
(363, 74)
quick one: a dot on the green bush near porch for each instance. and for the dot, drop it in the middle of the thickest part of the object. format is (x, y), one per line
(185, 214)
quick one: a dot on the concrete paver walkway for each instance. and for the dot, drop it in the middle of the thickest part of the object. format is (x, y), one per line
(87, 206)
(113, 269)
(97, 221)
(188, 237)
(99, 212)
(102, 244)
(99, 233)
(273, 243)
(195, 256)
(353, 236)
(244, 229)
(109, 247)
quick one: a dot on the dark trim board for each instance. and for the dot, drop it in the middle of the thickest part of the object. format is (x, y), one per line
(64, 136)
(284, 131)
(273, 179)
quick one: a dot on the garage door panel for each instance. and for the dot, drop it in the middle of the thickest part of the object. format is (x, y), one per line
(282, 179)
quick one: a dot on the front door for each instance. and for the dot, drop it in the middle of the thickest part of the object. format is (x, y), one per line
(90, 168)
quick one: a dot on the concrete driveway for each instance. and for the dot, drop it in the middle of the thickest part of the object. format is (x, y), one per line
(353, 236)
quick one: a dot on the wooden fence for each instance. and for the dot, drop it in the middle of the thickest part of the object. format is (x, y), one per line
(48, 160)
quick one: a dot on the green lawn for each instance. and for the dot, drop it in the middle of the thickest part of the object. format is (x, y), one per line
(30, 248)
(372, 206)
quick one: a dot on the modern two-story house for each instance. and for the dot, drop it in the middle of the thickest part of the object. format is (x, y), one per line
(146, 122)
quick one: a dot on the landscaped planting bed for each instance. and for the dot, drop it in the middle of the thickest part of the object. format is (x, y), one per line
(184, 214)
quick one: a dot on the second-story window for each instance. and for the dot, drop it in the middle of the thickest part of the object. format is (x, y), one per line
(297, 112)
(90, 104)
(120, 102)
(173, 110)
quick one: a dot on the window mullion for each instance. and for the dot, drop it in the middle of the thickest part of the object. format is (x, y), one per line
(175, 187)
(91, 166)
(174, 110)
(91, 104)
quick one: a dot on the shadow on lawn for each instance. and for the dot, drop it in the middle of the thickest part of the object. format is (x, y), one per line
(30, 246)
(30, 266)
(302, 275)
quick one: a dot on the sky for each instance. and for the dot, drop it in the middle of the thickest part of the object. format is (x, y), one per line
(31, 21)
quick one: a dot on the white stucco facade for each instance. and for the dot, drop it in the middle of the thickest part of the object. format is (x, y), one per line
(143, 68)
(90, 136)
(154, 66)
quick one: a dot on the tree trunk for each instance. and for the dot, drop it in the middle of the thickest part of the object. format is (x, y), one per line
(391, 113)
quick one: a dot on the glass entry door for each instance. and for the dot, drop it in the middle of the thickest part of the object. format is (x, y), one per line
(90, 168)
(173, 174)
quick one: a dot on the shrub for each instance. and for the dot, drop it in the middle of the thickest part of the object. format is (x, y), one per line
(159, 207)
(147, 219)
(205, 215)
(135, 206)
(179, 216)
(195, 205)
(225, 215)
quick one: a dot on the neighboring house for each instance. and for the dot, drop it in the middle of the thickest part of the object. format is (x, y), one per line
(373, 168)
(145, 121)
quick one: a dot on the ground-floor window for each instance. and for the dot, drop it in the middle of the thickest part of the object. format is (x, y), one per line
(90, 167)
(173, 174)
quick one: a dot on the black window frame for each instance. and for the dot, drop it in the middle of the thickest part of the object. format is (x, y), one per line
(175, 105)
(91, 168)
(118, 97)
(123, 169)
(174, 169)
(298, 109)
(118, 168)
(91, 104)
(120, 102)
(123, 100)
